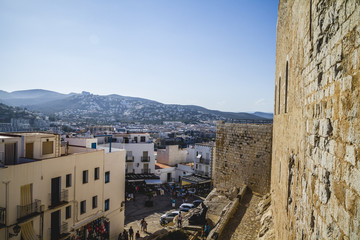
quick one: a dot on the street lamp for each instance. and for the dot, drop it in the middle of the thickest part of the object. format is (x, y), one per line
(16, 230)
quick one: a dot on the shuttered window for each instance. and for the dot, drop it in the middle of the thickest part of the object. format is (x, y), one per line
(47, 147)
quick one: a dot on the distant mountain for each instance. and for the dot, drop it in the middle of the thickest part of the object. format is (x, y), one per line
(111, 108)
(264, 115)
(30, 97)
(8, 112)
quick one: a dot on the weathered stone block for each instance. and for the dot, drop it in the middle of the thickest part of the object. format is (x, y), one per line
(350, 154)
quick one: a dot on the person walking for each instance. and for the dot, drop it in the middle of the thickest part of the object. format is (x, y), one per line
(179, 219)
(125, 235)
(145, 226)
(207, 229)
(131, 233)
(142, 224)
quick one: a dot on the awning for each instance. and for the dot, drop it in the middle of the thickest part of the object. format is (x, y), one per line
(183, 183)
(196, 179)
(153, 181)
(88, 220)
(27, 231)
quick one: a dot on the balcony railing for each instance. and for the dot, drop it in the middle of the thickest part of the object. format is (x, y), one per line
(28, 210)
(199, 172)
(2, 216)
(129, 158)
(203, 161)
(60, 231)
(145, 159)
(60, 200)
(146, 171)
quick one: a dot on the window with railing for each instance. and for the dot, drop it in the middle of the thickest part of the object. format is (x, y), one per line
(59, 199)
(28, 210)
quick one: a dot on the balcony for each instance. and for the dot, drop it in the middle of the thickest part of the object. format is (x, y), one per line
(60, 200)
(2, 217)
(28, 211)
(145, 159)
(59, 232)
(145, 171)
(129, 158)
(199, 172)
(203, 161)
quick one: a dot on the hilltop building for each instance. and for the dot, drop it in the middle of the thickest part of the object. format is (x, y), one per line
(53, 190)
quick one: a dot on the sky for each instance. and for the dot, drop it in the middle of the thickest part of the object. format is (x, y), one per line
(218, 54)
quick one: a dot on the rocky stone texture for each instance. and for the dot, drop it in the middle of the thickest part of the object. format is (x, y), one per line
(243, 156)
(315, 181)
(264, 214)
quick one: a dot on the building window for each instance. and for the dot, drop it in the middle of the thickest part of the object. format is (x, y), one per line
(68, 212)
(47, 147)
(96, 173)
(94, 202)
(142, 139)
(286, 84)
(93, 145)
(279, 95)
(107, 177)
(10, 153)
(85, 176)
(68, 180)
(83, 207)
(107, 204)
(29, 151)
(275, 99)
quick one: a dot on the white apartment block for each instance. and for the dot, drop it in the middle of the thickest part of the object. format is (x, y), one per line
(52, 190)
(172, 155)
(139, 148)
(204, 158)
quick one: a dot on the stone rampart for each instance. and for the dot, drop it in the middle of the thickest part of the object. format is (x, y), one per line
(243, 156)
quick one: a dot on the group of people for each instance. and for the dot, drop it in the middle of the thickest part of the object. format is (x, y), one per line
(125, 235)
(129, 235)
(143, 225)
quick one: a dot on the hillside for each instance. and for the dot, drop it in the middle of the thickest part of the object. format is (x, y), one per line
(8, 112)
(114, 107)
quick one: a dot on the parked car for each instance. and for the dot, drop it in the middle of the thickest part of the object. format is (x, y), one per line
(192, 191)
(185, 207)
(197, 202)
(168, 217)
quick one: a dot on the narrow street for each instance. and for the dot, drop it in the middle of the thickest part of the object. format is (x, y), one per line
(136, 211)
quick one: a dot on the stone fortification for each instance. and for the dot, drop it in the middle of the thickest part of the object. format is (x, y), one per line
(243, 156)
(315, 181)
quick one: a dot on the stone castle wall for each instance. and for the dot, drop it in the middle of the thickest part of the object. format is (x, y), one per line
(315, 180)
(243, 156)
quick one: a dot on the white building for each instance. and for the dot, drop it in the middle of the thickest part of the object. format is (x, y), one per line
(139, 148)
(204, 158)
(50, 190)
(165, 172)
(172, 155)
(183, 169)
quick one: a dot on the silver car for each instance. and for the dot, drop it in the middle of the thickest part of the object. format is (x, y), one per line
(168, 217)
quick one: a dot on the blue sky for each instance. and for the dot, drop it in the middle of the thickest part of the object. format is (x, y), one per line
(215, 54)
